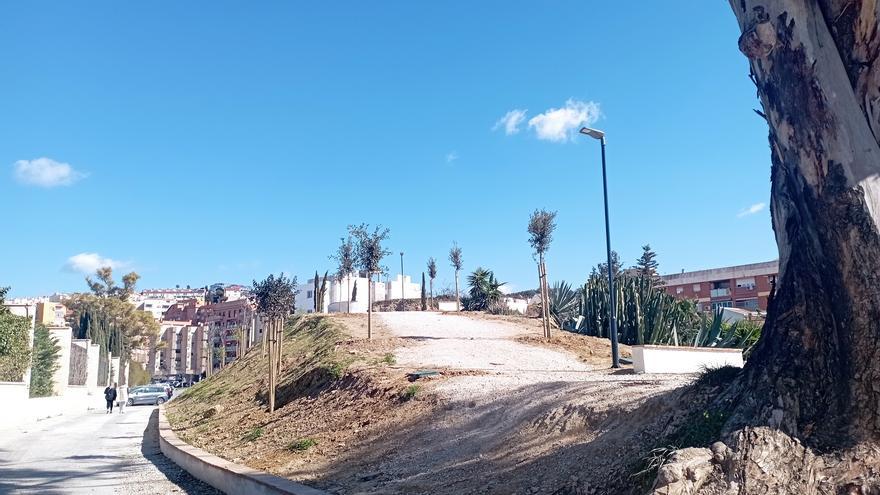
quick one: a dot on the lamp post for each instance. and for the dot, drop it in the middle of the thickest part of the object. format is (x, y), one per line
(612, 296)
(401, 281)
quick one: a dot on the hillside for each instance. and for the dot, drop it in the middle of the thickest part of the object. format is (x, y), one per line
(509, 413)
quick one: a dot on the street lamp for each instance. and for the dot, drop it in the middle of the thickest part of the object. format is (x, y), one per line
(401, 280)
(612, 297)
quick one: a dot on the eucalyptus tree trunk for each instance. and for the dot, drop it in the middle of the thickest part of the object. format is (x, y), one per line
(807, 407)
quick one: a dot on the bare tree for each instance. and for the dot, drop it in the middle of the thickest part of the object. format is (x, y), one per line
(275, 298)
(808, 399)
(432, 274)
(369, 253)
(542, 223)
(456, 262)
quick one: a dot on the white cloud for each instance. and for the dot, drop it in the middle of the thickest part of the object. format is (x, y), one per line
(46, 172)
(87, 263)
(558, 124)
(510, 121)
(751, 210)
(451, 157)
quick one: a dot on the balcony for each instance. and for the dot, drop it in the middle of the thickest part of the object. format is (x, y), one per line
(725, 292)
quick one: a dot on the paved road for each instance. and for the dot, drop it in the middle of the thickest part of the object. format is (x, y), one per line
(91, 453)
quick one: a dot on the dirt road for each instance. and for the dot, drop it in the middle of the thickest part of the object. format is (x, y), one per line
(522, 404)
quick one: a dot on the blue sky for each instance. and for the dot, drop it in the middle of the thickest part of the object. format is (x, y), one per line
(197, 142)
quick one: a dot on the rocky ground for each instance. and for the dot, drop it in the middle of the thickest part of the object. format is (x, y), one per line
(509, 413)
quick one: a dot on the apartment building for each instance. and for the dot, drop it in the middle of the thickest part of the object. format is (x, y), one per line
(50, 314)
(227, 323)
(743, 286)
(179, 351)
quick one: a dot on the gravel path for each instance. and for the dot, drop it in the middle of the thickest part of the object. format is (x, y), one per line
(527, 419)
(93, 453)
(463, 343)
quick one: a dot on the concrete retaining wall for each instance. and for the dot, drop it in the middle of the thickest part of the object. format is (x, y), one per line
(671, 359)
(230, 478)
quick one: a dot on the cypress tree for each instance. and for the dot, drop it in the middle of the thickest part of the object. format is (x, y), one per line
(424, 296)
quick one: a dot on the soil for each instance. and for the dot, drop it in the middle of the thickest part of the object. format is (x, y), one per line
(508, 412)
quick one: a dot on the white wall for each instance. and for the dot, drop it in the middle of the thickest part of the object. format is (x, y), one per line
(411, 289)
(61, 377)
(670, 359)
(339, 292)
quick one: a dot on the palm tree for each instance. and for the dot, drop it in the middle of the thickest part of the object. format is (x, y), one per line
(456, 261)
(485, 290)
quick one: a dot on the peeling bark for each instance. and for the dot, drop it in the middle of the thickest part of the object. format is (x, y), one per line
(810, 393)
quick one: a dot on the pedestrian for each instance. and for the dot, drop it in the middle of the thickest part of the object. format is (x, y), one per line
(123, 397)
(110, 396)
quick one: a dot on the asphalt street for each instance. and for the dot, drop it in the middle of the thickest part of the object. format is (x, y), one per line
(93, 453)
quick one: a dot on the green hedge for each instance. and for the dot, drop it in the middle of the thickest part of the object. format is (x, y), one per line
(15, 353)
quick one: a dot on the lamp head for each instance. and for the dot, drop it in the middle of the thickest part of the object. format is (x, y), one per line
(593, 133)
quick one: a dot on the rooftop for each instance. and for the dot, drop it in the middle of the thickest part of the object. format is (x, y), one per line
(724, 273)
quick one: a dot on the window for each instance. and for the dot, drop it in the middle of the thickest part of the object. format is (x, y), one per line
(722, 304)
(750, 304)
(309, 294)
(745, 283)
(696, 287)
(679, 290)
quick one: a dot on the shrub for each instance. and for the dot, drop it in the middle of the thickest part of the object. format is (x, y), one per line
(253, 435)
(411, 392)
(302, 445)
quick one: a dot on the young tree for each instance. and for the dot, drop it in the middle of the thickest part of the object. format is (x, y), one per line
(369, 253)
(345, 266)
(813, 374)
(432, 274)
(424, 295)
(275, 298)
(456, 262)
(542, 223)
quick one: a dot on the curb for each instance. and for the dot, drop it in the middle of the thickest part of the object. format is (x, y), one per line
(228, 477)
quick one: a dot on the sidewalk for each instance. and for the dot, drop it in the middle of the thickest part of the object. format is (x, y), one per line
(25, 413)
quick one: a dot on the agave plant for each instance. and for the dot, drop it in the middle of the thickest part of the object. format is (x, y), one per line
(564, 305)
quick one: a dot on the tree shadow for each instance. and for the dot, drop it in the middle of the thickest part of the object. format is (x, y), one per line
(557, 437)
(175, 474)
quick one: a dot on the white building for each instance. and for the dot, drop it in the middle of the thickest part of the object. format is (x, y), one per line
(155, 306)
(338, 295)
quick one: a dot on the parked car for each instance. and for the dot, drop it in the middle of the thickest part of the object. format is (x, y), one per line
(150, 394)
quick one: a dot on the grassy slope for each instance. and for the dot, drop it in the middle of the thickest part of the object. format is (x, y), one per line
(326, 400)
